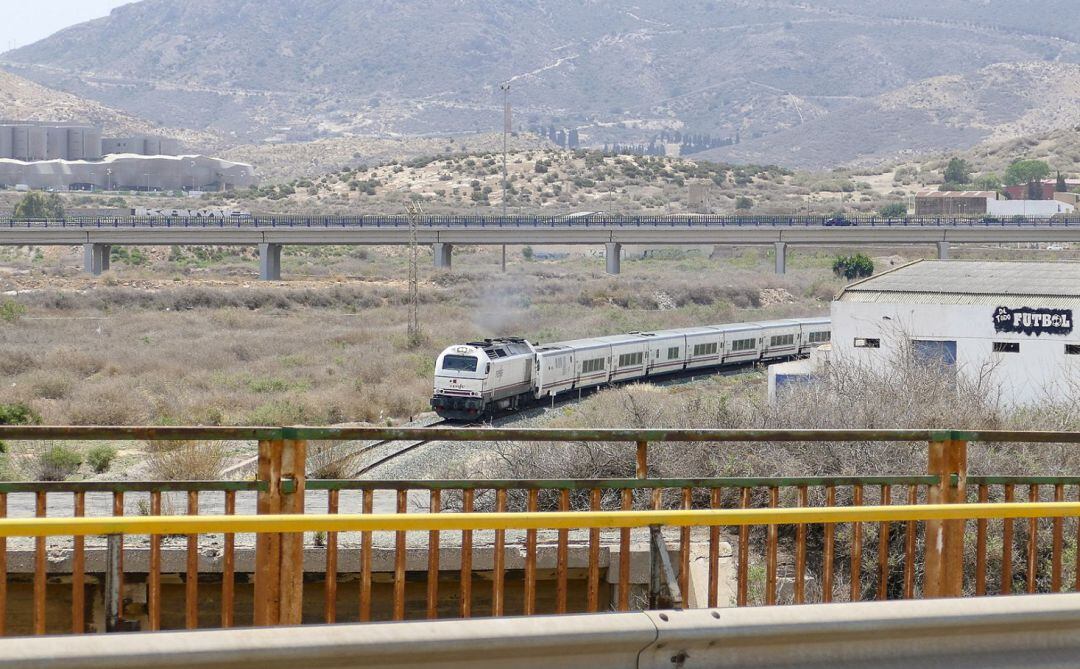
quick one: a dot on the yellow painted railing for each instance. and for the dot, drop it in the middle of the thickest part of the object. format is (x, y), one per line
(429, 522)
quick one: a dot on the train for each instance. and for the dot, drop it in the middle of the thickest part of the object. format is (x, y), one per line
(478, 379)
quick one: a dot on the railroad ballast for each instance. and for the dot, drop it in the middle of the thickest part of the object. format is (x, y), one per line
(475, 379)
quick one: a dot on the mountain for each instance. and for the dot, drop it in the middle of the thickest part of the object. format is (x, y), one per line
(21, 99)
(1006, 101)
(774, 74)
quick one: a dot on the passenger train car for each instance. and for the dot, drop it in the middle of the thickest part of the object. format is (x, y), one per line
(476, 379)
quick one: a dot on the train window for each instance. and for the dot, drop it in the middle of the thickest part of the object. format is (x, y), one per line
(631, 359)
(594, 365)
(1006, 347)
(782, 340)
(861, 342)
(743, 345)
(819, 337)
(673, 353)
(459, 363)
(705, 349)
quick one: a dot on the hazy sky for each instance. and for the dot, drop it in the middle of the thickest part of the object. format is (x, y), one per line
(27, 21)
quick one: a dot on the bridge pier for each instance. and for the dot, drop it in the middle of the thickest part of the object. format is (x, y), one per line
(444, 255)
(96, 258)
(270, 262)
(943, 250)
(613, 256)
(781, 257)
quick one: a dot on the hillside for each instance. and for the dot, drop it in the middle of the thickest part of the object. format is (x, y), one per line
(1005, 101)
(23, 99)
(553, 182)
(295, 160)
(814, 75)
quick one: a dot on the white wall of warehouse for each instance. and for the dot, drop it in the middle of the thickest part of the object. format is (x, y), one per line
(1040, 371)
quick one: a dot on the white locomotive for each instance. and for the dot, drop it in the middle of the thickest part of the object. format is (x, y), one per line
(474, 379)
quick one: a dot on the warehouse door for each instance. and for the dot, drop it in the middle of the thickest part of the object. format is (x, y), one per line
(937, 353)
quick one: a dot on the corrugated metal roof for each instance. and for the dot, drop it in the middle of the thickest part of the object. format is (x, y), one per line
(972, 282)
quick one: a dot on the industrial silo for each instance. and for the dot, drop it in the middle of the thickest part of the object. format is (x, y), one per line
(92, 144)
(75, 143)
(151, 146)
(5, 141)
(20, 142)
(35, 142)
(56, 143)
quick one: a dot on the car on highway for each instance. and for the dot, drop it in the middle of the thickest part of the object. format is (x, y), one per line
(838, 221)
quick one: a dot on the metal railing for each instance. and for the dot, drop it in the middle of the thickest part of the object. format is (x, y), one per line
(536, 221)
(790, 546)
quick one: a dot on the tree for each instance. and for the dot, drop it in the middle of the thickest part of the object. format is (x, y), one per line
(853, 267)
(958, 171)
(989, 181)
(743, 202)
(38, 205)
(1026, 171)
(1061, 186)
(893, 210)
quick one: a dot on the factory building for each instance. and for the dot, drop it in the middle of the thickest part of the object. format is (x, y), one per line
(142, 145)
(63, 156)
(987, 203)
(30, 140)
(128, 172)
(1013, 320)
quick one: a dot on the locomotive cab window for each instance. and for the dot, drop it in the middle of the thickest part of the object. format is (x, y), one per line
(459, 363)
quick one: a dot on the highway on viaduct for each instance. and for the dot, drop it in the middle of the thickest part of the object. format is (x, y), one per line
(442, 233)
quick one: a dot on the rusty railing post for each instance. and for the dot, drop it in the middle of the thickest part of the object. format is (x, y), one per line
(279, 569)
(642, 469)
(944, 571)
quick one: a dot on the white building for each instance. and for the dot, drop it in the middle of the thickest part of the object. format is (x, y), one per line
(1014, 317)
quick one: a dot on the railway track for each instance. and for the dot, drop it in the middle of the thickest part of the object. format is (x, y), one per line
(396, 448)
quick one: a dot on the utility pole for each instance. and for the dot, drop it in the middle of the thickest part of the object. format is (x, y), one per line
(505, 88)
(414, 211)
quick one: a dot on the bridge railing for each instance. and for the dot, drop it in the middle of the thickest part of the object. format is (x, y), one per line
(534, 221)
(775, 559)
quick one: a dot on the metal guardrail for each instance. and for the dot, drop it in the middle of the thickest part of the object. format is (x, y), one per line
(1032, 631)
(525, 221)
(777, 558)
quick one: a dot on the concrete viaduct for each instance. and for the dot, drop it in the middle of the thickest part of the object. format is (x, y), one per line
(443, 233)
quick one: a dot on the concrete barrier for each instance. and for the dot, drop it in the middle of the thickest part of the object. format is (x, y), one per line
(1031, 631)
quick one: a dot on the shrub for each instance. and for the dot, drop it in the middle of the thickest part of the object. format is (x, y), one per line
(527, 253)
(11, 311)
(18, 414)
(893, 210)
(100, 457)
(743, 202)
(186, 460)
(55, 463)
(853, 267)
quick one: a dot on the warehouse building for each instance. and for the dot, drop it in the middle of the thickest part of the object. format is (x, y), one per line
(1013, 319)
(977, 203)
